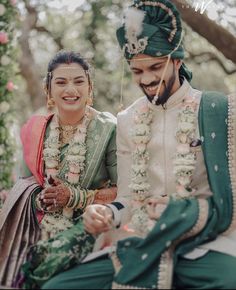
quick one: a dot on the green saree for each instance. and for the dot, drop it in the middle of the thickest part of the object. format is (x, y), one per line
(66, 243)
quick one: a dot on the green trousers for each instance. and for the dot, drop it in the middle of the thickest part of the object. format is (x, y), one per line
(212, 271)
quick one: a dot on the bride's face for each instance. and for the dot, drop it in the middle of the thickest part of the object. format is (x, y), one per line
(70, 88)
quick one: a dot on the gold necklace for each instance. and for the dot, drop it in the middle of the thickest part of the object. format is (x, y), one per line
(67, 133)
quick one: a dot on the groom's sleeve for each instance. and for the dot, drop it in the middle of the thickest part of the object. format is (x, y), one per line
(121, 206)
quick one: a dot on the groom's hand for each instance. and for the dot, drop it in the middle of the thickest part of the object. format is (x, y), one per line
(97, 219)
(156, 207)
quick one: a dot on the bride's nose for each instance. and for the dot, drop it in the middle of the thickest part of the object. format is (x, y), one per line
(71, 90)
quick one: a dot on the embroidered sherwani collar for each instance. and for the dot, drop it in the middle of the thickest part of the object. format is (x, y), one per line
(174, 99)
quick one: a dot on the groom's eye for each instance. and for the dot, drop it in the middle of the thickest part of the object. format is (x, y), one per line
(136, 72)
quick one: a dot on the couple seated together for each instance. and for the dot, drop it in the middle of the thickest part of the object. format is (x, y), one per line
(144, 201)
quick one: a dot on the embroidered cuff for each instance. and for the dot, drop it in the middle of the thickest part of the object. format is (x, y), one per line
(116, 208)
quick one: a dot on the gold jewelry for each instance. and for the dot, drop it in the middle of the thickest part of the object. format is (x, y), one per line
(67, 132)
(50, 103)
(89, 101)
(71, 199)
(91, 196)
(38, 203)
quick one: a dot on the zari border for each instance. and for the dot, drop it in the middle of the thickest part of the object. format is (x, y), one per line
(201, 222)
(165, 274)
(166, 267)
(97, 154)
(119, 286)
(117, 266)
(232, 155)
(164, 278)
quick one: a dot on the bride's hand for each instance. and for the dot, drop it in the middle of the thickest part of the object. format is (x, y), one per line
(156, 206)
(56, 196)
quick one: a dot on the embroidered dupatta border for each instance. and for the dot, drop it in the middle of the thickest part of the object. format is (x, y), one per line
(165, 274)
(98, 152)
(232, 155)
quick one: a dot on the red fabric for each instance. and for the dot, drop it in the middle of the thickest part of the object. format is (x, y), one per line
(32, 137)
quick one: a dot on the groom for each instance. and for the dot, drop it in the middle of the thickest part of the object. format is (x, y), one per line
(175, 211)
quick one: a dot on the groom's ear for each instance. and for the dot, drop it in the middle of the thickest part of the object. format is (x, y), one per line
(177, 63)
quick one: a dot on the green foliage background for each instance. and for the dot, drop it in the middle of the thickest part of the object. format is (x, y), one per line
(6, 95)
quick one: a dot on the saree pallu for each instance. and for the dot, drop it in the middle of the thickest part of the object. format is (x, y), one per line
(18, 229)
(148, 263)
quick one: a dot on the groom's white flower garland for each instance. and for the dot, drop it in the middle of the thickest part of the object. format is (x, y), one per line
(141, 135)
(184, 161)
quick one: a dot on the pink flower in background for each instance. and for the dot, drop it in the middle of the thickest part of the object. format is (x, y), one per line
(3, 38)
(10, 86)
(3, 195)
(13, 2)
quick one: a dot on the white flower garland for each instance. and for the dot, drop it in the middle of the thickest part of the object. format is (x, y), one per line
(140, 186)
(76, 150)
(185, 159)
(184, 162)
(55, 222)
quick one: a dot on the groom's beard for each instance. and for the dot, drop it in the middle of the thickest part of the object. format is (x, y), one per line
(162, 99)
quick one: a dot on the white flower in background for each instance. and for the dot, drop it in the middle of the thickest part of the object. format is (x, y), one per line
(4, 107)
(2, 9)
(5, 60)
(1, 150)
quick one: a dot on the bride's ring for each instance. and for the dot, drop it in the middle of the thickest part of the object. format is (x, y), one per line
(54, 202)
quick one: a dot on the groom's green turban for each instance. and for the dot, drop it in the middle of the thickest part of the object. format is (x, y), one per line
(154, 28)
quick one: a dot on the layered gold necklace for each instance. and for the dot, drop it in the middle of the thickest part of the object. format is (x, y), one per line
(67, 133)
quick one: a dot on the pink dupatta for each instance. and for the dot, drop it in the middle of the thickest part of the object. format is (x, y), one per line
(32, 137)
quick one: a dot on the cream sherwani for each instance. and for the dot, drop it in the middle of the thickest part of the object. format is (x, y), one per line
(162, 149)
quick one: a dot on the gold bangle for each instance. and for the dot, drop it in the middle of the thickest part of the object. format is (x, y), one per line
(90, 196)
(71, 199)
(38, 203)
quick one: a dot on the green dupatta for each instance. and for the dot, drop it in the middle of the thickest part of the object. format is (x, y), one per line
(148, 263)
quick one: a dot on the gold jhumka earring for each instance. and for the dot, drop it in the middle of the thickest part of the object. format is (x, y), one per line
(89, 101)
(90, 98)
(50, 104)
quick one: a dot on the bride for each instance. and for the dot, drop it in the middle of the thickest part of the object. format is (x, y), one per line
(69, 163)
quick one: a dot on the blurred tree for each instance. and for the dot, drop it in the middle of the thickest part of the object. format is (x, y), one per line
(225, 41)
(7, 16)
(89, 27)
